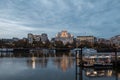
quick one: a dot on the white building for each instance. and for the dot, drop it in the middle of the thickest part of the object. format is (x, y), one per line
(37, 37)
(65, 37)
(85, 39)
(30, 38)
(90, 39)
(43, 37)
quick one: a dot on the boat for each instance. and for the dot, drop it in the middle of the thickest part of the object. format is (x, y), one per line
(103, 65)
(91, 73)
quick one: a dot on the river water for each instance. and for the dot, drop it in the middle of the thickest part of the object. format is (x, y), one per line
(49, 68)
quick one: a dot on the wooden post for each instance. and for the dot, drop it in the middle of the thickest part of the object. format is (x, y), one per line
(79, 64)
(116, 58)
(81, 55)
(76, 63)
(116, 74)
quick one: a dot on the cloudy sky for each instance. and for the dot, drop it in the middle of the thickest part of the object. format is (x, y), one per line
(100, 18)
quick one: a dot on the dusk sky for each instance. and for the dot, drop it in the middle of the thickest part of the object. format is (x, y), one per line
(100, 18)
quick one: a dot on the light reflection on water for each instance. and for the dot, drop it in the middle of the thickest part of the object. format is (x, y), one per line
(49, 68)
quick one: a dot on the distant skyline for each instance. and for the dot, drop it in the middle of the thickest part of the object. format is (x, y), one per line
(100, 18)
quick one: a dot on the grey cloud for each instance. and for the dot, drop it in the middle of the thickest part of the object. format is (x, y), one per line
(77, 16)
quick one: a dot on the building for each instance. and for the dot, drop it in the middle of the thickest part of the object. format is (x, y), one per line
(37, 37)
(90, 39)
(103, 41)
(83, 39)
(52, 40)
(116, 40)
(25, 39)
(15, 39)
(43, 37)
(65, 37)
(7, 41)
(30, 38)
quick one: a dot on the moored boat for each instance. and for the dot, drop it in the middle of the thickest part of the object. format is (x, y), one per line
(103, 65)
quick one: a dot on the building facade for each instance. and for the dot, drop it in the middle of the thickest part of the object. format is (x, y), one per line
(43, 38)
(15, 39)
(116, 40)
(30, 38)
(104, 41)
(90, 39)
(84, 39)
(65, 37)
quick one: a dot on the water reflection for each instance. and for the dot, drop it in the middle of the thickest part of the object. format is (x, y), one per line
(37, 62)
(46, 68)
(63, 63)
(33, 62)
(50, 68)
(98, 74)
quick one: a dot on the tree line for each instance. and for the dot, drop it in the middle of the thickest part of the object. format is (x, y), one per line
(55, 44)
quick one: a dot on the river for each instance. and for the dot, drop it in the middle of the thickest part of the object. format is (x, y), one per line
(49, 68)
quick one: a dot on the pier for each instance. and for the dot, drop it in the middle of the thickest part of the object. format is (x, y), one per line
(95, 61)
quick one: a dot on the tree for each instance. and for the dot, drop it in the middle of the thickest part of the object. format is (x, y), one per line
(58, 44)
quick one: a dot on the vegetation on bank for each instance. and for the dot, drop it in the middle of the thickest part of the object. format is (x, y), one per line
(57, 44)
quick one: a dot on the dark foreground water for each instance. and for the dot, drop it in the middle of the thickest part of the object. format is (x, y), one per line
(57, 68)
(52, 68)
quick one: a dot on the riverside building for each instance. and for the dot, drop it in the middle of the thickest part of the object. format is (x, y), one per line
(43, 38)
(84, 39)
(116, 40)
(65, 37)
